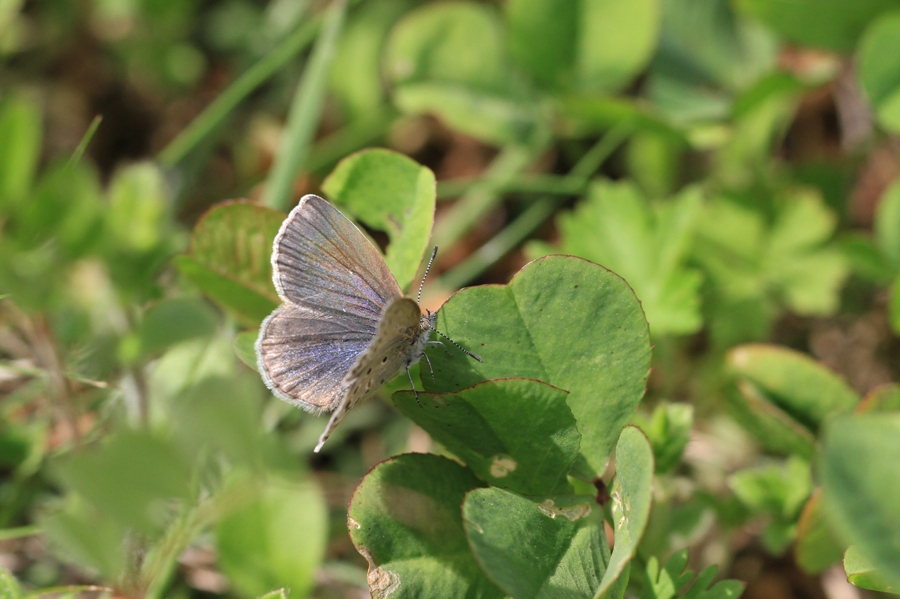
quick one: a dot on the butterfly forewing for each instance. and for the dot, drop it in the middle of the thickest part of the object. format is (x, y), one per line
(304, 355)
(320, 259)
(396, 345)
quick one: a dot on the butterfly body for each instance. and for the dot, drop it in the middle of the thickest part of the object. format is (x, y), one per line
(344, 327)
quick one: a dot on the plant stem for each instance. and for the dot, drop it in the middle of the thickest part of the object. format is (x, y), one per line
(83, 144)
(483, 195)
(215, 114)
(303, 118)
(541, 209)
(501, 244)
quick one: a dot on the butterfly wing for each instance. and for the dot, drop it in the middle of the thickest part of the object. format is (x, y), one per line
(304, 354)
(320, 259)
(397, 345)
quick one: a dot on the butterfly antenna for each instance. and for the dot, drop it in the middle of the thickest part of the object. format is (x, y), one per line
(459, 347)
(425, 276)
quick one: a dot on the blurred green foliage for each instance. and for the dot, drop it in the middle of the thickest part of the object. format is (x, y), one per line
(722, 177)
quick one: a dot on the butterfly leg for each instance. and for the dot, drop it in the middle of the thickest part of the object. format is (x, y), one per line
(416, 393)
(441, 343)
(430, 367)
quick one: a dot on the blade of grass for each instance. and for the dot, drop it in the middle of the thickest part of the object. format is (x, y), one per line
(207, 122)
(483, 195)
(540, 210)
(306, 108)
(500, 244)
(350, 138)
(85, 140)
(537, 183)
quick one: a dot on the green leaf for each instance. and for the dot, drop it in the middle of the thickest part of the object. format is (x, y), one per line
(591, 114)
(669, 430)
(646, 244)
(794, 382)
(755, 267)
(305, 111)
(562, 320)
(537, 547)
(449, 59)
(887, 225)
(593, 46)
(866, 258)
(816, 548)
(774, 428)
(884, 398)
(861, 485)
(775, 491)
(513, 433)
(405, 519)
(392, 193)
(245, 347)
(861, 572)
(807, 273)
(355, 75)
(138, 208)
(140, 231)
(451, 43)
(631, 497)
(879, 73)
(130, 478)
(230, 260)
(673, 580)
(693, 77)
(172, 321)
(827, 24)
(81, 533)
(490, 117)
(66, 207)
(894, 306)
(20, 146)
(277, 538)
(9, 586)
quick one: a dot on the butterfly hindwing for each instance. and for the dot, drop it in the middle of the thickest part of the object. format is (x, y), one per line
(397, 344)
(304, 355)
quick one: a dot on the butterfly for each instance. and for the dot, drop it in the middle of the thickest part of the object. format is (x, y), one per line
(344, 327)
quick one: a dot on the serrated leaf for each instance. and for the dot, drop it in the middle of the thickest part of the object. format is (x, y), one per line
(513, 433)
(645, 244)
(562, 320)
(669, 430)
(672, 580)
